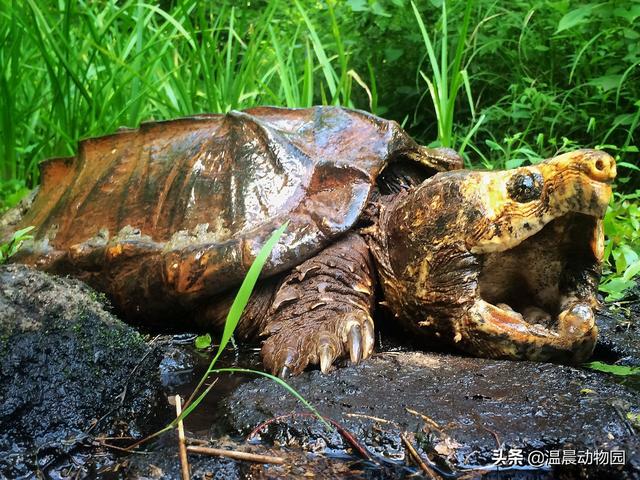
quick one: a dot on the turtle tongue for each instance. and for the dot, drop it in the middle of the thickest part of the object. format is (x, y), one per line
(597, 240)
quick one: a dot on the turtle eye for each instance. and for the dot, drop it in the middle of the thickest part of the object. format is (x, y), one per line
(525, 187)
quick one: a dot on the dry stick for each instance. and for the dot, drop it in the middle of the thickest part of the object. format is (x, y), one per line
(123, 394)
(370, 417)
(197, 441)
(236, 455)
(120, 449)
(182, 447)
(429, 421)
(416, 456)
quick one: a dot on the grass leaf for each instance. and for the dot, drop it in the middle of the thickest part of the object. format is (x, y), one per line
(619, 370)
(249, 282)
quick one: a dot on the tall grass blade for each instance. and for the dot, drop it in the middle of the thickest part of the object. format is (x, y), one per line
(240, 302)
(249, 282)
(330, 76)
(284, 385)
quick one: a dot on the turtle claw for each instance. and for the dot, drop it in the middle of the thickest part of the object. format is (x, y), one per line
(354, 342)
(321, 312)
(286, 365)
(327, 356)
(285, 372)
(368, 339)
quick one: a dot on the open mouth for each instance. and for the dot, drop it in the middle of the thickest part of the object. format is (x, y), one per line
(536, 280)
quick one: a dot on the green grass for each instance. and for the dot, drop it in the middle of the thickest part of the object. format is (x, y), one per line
(504, 84)
(447, 77)
(69, 70)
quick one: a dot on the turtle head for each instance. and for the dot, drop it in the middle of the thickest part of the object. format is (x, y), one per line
(518, 203)
(501, 263)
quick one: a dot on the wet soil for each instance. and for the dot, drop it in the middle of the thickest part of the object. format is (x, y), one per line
(458, 409)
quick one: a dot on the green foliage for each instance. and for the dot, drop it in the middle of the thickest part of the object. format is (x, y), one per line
(203, 341)
(619, 370)
(446, 77)
(11, 192)
(70, 70)
(622, 251)
(559, 69)
(10, 248)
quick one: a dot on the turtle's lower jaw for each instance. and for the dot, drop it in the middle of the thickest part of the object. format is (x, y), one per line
(543, 292)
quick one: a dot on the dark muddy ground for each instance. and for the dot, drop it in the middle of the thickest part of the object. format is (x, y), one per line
(72, 375)
(69, 371)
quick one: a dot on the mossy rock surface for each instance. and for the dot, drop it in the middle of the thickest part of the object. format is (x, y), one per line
(69, 371)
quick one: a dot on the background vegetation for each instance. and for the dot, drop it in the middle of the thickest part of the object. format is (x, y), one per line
(505, 83)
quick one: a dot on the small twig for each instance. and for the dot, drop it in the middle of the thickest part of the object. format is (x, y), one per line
(375, 419)
(120, 449)
(121, 396)
(625, 420)
(182, 447)
(126, 437)
(236, 455)
(432, 423)
(197, 441)
(495, 436)
(416, 456)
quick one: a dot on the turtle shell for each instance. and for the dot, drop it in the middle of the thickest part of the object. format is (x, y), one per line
(179, 209)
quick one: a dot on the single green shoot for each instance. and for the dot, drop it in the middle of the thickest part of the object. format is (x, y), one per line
(14, 244)
(203, 341)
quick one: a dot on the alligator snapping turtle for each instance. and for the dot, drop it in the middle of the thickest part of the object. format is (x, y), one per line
(168, 218)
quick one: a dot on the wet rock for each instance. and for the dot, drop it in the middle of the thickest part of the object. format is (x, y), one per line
(178, 362)
(456, 410)
(69, 371)
(619, 337)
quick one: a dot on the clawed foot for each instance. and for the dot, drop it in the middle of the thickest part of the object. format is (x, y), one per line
(291, 347)
(320, 311)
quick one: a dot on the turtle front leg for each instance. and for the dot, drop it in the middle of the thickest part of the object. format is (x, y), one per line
(321, 311)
